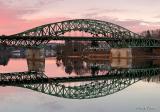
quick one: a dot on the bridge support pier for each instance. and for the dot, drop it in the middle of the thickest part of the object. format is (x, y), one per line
(131, 57)
(35, 59)
(156, 52)
(121, 53)
(126, 53)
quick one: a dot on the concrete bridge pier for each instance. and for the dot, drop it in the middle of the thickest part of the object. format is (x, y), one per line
(126, 53)
(121, 53)
(156, 52)
(130, 57)
(35, 59)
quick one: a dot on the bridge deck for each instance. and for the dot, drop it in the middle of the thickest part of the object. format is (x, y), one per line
(33, 77)
(78, 38)
(32, 41)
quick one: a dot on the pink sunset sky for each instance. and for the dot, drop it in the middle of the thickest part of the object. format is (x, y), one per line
(136, 15)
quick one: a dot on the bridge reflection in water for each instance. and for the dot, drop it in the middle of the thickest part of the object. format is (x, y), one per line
(103, 76)
(96, 86)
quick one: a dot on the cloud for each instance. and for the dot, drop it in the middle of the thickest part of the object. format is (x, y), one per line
(106, 10)
(25, 8)
(27, 3)
(138, 25)
(97, 11)
(15, 25)
(17, 17)
(119, 16)
(134, 25)
(158, 16)
(12, 23)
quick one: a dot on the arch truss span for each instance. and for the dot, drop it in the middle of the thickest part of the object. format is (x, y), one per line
(99, 88)
(115, 81)
(94, 89)
(96, 28)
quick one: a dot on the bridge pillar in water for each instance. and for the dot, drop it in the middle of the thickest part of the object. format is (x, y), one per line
(126, 53)
(156, 52)
(120, 57)
(131, 57)
(145, 53)
(121, 53)
(35, 59)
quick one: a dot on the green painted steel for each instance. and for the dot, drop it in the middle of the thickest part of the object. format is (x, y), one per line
(120, 80)
(31, 41)
(96, 28)
(115, 35)
(115, 80)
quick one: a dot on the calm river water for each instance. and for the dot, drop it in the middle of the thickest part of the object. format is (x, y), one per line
(125, 88)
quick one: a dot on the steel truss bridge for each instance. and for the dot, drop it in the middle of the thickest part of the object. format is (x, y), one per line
(98, 86)
(114, 35)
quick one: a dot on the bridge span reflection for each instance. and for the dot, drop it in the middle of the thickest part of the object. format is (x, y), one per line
(95, 86)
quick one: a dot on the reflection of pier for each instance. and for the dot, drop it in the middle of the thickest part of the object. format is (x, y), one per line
(134, 63)
(81, 66)
(35, 59)
(81, 57)
(114, 81)
(136, 53)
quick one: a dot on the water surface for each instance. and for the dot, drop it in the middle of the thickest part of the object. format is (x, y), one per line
(140, 96)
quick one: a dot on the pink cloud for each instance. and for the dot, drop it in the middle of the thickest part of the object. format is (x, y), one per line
(138, 25)
(11, 22)
(134, 25)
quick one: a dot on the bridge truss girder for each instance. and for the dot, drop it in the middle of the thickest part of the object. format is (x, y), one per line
(114, 35)
(132, 43)
(31, 41)
(94, 27)
(21, 77)
(116, 80)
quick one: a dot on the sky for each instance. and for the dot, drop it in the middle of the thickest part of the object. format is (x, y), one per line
(20, 15)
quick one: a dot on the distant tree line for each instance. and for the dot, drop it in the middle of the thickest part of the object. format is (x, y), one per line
(152, 34)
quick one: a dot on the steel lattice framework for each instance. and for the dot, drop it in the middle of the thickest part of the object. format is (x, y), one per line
(121, 79)
(21, 78)
(96, 28)
(116, 80)
(114, 35)
(31, 41)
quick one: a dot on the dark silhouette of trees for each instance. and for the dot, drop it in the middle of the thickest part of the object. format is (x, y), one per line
(148, 35)
(152, 34)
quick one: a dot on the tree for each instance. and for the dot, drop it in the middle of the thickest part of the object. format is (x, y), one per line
(148, 34)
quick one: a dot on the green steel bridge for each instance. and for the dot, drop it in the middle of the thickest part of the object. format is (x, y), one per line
(97, 86)
(114, 35)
